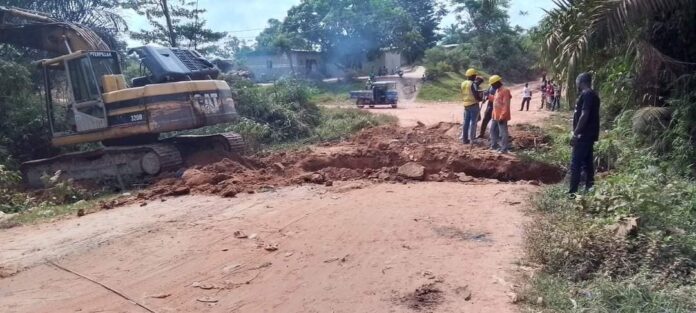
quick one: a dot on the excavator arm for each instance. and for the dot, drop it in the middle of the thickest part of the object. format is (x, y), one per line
(34, 30)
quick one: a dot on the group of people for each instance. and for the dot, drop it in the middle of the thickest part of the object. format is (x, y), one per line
(585, 118)
(551, 95)
(497, 112)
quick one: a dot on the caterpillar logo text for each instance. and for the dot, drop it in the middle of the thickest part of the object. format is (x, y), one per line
(208, 102)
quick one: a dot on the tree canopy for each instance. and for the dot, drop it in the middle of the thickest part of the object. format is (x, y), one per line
(348, 30)
(176, 23)
(485, 40)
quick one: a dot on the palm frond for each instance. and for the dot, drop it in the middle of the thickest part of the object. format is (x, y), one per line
(651, 120)
(583, 27)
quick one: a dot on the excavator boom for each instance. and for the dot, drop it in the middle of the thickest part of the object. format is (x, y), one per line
(31, 29)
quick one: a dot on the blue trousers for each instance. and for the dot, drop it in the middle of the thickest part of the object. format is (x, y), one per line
(471, 115)
(499, 133)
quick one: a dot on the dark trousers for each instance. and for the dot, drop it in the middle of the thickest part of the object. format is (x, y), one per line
(556, 104)
(582, 161)
(487, 115)
(525, 100)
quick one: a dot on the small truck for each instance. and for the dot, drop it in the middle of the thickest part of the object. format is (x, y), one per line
(379, 93)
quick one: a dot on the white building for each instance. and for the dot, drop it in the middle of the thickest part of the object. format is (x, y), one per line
(310, 64)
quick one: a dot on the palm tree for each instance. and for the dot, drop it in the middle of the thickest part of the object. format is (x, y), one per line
(583, 32)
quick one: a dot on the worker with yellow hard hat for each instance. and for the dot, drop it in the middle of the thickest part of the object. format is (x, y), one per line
(501, 115)
(471, 98)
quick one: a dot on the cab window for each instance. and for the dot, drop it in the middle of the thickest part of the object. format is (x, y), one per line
(83, 82)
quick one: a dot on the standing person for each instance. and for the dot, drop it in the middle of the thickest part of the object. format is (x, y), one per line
(559, 89)
(501, 115)
(543, 94)
(488, 113)
(526, 96)
(549, 95)
(585, 133)
(471, 98)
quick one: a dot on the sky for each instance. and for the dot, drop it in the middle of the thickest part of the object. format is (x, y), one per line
(246, 18)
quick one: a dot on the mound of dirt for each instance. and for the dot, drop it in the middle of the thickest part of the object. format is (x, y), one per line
(376, 153)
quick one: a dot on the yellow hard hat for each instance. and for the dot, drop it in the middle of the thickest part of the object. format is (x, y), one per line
(494, 79)
(471, 72)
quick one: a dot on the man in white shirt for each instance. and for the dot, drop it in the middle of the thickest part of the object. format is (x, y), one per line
(526, 96)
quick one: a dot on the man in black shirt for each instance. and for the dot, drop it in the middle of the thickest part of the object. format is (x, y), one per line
(585, 133)
(488, 97)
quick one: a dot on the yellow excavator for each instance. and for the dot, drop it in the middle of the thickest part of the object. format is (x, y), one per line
(88, 100)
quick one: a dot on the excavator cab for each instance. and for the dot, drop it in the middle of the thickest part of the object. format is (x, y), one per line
(73, 88)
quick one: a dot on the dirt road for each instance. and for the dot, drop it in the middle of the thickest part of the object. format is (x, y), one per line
(411, 111)
(356, 246)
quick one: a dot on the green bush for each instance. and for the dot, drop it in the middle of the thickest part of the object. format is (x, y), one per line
(23, 132)
(284, 113)
(438, 70)
(284, 107)
(503, 54)
(438, 61)
(11, 201)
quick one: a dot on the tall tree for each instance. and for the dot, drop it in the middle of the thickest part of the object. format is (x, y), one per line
(487, 40)
(264, 41)
(275, 39)
(176, 23)
(426, 14)
(232, 47)
(483, 19)
(348, 30)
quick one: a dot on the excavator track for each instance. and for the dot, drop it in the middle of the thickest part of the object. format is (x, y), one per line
(130, 161)
(231, 143)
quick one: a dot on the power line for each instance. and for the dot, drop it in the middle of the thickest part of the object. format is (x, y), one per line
(244, 30)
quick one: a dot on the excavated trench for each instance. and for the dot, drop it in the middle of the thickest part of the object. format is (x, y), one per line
(376, 154)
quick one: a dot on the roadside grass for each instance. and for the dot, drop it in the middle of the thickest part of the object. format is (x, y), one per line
(44, 212)
(340, 123)
(589, 255)
(334, 93)
(606, 295)
(446, 88)
(557, 151)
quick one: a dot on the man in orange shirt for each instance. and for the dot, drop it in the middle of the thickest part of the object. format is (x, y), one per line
(501, 115)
